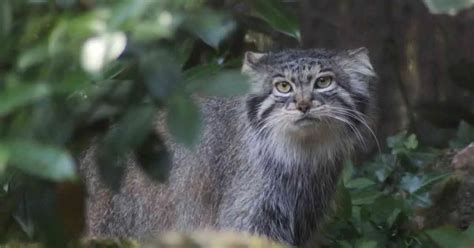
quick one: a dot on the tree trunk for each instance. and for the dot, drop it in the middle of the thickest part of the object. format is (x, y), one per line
(425, 62)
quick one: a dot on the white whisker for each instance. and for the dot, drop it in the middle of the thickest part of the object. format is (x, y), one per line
(358, 116)
(352, 126)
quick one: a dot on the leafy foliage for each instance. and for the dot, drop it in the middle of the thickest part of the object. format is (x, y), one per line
(464, 136)
(272, 12)
(450, 7)
(380, 201)
(75, 73)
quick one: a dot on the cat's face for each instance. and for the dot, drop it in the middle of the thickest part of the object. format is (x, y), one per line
(304, 92)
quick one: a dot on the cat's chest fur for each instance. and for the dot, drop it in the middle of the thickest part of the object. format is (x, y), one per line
(280, 190)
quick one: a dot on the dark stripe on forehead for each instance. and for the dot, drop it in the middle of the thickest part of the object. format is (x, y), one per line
(325, 70)
(325, 66)
(278, 74)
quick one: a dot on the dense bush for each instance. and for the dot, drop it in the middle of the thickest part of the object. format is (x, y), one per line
(389, 200)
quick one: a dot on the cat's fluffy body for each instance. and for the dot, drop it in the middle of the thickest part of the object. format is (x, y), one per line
(263, 166)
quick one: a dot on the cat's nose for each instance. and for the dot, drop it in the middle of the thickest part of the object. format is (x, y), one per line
(303, 106)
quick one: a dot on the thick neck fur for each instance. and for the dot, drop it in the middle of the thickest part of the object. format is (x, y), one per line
(292, 178)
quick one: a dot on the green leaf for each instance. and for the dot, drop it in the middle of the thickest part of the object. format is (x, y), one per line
(401, 144)
(40, 160)
(420, 200)
(411, 142)
(448, 7)
(225, 83)
(202, 72)
(348, 171)
(65, 3)
(449, 236)
(344, 244)
(386, 210)
(464, 136)
(411, 183)
(384, 165)
(366, 244)
(153, 157)
(359, 183)
(420, 186)
(414, 183)
(421, 159)
(133, 127)
(3, 162)
(113, 69)
(210, 26)
(470, 232)
(365, 197)
(157, 28)
(392, 218)
(184, 120)
(356, 214)
(396, 140)
(275, 14)
(432, 178)
(343, 200)
(162, 74)
(6, 18)
(125, 13)
(22, 95)
(32, 57)
(373, 233)
(130, 131)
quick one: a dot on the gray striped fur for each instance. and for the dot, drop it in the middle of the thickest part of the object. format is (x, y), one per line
(258, 169)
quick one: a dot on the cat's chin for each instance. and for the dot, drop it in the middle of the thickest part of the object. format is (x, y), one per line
(307, 122)
(304, 127)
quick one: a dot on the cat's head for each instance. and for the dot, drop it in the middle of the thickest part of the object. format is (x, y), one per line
(308, 92)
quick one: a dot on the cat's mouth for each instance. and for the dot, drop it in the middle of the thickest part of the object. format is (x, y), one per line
(307, 120)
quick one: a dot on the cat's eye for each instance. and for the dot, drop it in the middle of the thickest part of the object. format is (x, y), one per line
(324, 82)
(283, 87)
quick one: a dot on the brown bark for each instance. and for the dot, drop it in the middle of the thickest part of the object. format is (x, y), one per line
(425, 62)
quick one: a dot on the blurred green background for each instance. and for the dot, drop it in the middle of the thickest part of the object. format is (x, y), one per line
(77, 71)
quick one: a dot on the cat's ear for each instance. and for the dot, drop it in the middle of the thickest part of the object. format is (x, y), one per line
(357, 60)
(360, 55)
(250, 63)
